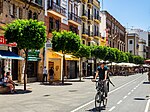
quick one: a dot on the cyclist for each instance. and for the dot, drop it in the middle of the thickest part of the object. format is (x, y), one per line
(102, 73)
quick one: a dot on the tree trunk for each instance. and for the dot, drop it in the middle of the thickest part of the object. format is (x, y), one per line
(25, 70)
(64, 68)
(80, 76)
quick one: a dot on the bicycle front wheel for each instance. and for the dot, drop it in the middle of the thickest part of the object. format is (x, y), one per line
(98, 100)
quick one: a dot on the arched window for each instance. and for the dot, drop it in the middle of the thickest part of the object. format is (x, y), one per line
(35, 16)
(30, 14)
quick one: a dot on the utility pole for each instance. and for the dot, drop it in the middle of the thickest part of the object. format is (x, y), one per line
(102, 5)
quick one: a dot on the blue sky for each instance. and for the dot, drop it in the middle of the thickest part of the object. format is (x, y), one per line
(131, 13)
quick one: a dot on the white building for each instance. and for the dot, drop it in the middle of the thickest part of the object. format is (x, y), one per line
(142, 48)
(133, 43)
(142, 34)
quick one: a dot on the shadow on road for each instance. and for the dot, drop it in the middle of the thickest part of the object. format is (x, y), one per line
(56, 84)
(139, 99)
(18, 91)
(146, 82)
(96, 109)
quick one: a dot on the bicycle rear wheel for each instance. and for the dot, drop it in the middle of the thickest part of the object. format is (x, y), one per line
(98, 101)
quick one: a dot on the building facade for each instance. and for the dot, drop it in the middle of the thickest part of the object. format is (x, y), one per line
(113, 31)
(142, 48)
(133, 43)
(20, 9)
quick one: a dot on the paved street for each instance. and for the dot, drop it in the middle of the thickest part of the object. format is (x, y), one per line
(130, 94)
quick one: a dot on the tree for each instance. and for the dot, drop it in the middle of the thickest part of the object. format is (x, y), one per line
(123, 57)
(28, 34)
(99, 52)
(84, 51)
(110, 56)
(117, 53)
(130, 57)
(138, 60)
(67, 42)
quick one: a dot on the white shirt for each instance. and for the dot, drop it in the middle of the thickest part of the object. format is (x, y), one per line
(44, 71)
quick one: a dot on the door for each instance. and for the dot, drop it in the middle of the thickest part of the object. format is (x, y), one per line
(50, 64)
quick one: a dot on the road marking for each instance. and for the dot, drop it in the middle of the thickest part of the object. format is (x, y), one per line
(112, 109)
(129, 93)
(119, 102)
(125, 97)
(84, 105)
(135, 88)
(132, 90)
(147, 106)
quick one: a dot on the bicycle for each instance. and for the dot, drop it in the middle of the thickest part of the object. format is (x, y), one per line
(100, 95)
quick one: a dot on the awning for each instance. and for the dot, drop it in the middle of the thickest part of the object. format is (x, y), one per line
(68, 56)
(9, 55)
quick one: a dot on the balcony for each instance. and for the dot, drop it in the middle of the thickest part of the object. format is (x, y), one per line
(90, 35)
(84, 16)
(90, 3)
(73, 18)
(97, 19)
(57, 10)
(84, 33)
(84, 1)
(97, 35)
(73, 29)
(90, 19)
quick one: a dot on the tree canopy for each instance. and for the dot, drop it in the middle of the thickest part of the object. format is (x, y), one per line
(28, 34)
(65, 41)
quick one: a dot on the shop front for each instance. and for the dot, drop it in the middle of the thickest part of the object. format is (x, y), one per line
(32, 68)
(55, 60)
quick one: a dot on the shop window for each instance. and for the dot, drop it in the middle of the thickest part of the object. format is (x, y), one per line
(30, 14)
(1, 6)
(35, 16)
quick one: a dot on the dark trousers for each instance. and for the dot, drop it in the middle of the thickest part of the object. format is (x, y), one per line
(44, 76)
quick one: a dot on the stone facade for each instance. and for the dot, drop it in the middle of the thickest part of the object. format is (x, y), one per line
(19, 9)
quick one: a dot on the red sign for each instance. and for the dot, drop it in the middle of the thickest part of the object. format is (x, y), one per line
(12, 44)
(2, 40)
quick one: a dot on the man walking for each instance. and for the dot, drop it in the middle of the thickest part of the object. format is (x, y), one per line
(44, 74)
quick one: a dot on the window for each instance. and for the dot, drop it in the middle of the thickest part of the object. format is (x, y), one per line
(130, 51)
(130, 42)
(95, 13)
(30, 14)
(20, 13)
(51, 26)
(35, 16)
(14, 10)
(71, 8)
(76, 10)
(57, 25)
(1, 6)
(38, 2)
(58, 2)
(83, 41)
(17, 12)
(89, 43)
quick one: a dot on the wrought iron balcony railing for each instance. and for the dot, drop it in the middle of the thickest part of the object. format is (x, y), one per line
(74, 17)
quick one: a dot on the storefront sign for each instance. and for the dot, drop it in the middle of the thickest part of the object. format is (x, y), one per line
(2, 40)
(33, 55)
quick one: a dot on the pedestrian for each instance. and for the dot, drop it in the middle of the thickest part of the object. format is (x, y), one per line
(44, 74)
(51, 73)
(84, 72)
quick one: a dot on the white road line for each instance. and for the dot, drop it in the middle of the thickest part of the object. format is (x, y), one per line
(132, 90)
(119, 102)
(129, 93)
(112, 109)
(80, 107)
(125, 97)
(147, 106)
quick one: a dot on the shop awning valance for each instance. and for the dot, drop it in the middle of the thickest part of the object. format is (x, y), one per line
(9, 55)
(68, 56)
